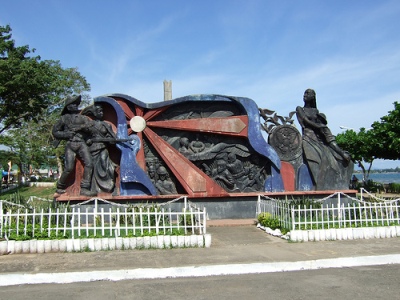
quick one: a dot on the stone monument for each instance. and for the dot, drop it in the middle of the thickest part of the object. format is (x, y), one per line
(202, 146)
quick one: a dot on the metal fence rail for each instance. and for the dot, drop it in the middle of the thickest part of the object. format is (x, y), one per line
(277, 208)
(93, 221)
(335, 211)
(344, 216)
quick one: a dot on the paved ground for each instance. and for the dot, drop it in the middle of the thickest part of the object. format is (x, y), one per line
(237, 248)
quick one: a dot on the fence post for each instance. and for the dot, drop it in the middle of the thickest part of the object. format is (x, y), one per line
(65, 221)
(156, 220)
(33, 221)
(102, 220)
(79, 220)
(339, 211)
(72, 222)
(192, 220)
(141, 220)
(117, 223)
(57, 220)
(205, 220)
(49, 223)
(258, 209)
(110, 221)
(148, 219)
(5, 224)
(95, 211)
(292, 213)
(163, 220)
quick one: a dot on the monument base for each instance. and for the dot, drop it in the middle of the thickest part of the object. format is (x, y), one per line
(236, 206)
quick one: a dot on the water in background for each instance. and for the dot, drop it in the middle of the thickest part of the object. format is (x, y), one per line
(382, 177)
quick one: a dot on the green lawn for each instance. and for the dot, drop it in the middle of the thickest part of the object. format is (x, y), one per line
(26, 192)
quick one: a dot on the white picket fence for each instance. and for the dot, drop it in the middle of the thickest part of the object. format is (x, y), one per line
(335, 212)
(116, 221)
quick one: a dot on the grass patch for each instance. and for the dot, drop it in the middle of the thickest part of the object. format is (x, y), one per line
(27, 191)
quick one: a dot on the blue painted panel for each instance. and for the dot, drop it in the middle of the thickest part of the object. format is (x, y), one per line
(304, 180)
(133, 180)
(255, 137)
(274, 183)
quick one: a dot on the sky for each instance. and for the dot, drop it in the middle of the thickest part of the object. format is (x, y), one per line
(269, 51)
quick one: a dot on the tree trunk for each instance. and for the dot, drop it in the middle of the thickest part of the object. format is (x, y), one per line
(20, 174)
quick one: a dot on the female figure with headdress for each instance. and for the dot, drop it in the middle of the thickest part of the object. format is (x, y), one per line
(103, 179)
(329, 165)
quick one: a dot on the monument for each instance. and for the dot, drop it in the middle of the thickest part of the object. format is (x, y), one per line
(200, 146)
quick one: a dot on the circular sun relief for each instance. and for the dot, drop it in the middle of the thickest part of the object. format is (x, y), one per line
(137, 124)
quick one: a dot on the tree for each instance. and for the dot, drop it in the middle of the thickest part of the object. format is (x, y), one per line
(32, 93)
(32, 142)
(30, 146)
(386, 134)
(381, 141)
(30, 86)
(361, 147)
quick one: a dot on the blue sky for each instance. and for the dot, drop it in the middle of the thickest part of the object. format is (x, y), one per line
(270, 51)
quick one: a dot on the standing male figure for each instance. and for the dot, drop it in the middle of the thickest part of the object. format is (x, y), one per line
(75, 129)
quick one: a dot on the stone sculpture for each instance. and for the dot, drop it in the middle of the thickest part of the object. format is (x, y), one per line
(75, 129)
(164, 185)
(330, 167)
(200, 146)
(101, 134)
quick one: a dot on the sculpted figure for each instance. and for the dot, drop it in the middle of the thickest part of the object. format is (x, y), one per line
(75, 129)
(184, 146)
(327, 162)
(103, 178)
(164, 185)
(197, 146)
(235, 166)
(151, 171)
(255, 181)
(224, 178)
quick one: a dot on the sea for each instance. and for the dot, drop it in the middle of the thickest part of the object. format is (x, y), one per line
(382, 177)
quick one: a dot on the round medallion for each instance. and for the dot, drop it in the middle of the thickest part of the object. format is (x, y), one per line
(286, 140)
(137, 124)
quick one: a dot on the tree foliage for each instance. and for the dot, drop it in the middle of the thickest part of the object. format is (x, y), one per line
(381, 141)
(386, 135)
(361, 147)
(30, 86)
(32, 94)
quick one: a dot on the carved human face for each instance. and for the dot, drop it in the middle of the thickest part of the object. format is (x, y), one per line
(184, 141)
(252, 174)
(309, 96)
(98, 112)
(152, 172)
(73, 107)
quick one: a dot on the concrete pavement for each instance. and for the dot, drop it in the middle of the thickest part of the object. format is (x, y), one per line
(238, 247)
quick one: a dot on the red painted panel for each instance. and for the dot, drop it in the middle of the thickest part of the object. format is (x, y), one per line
(139, 111)
(128, 112)
(288, 176)
(140, 157)
(236, 125)
(153, 113)
(193, 180)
